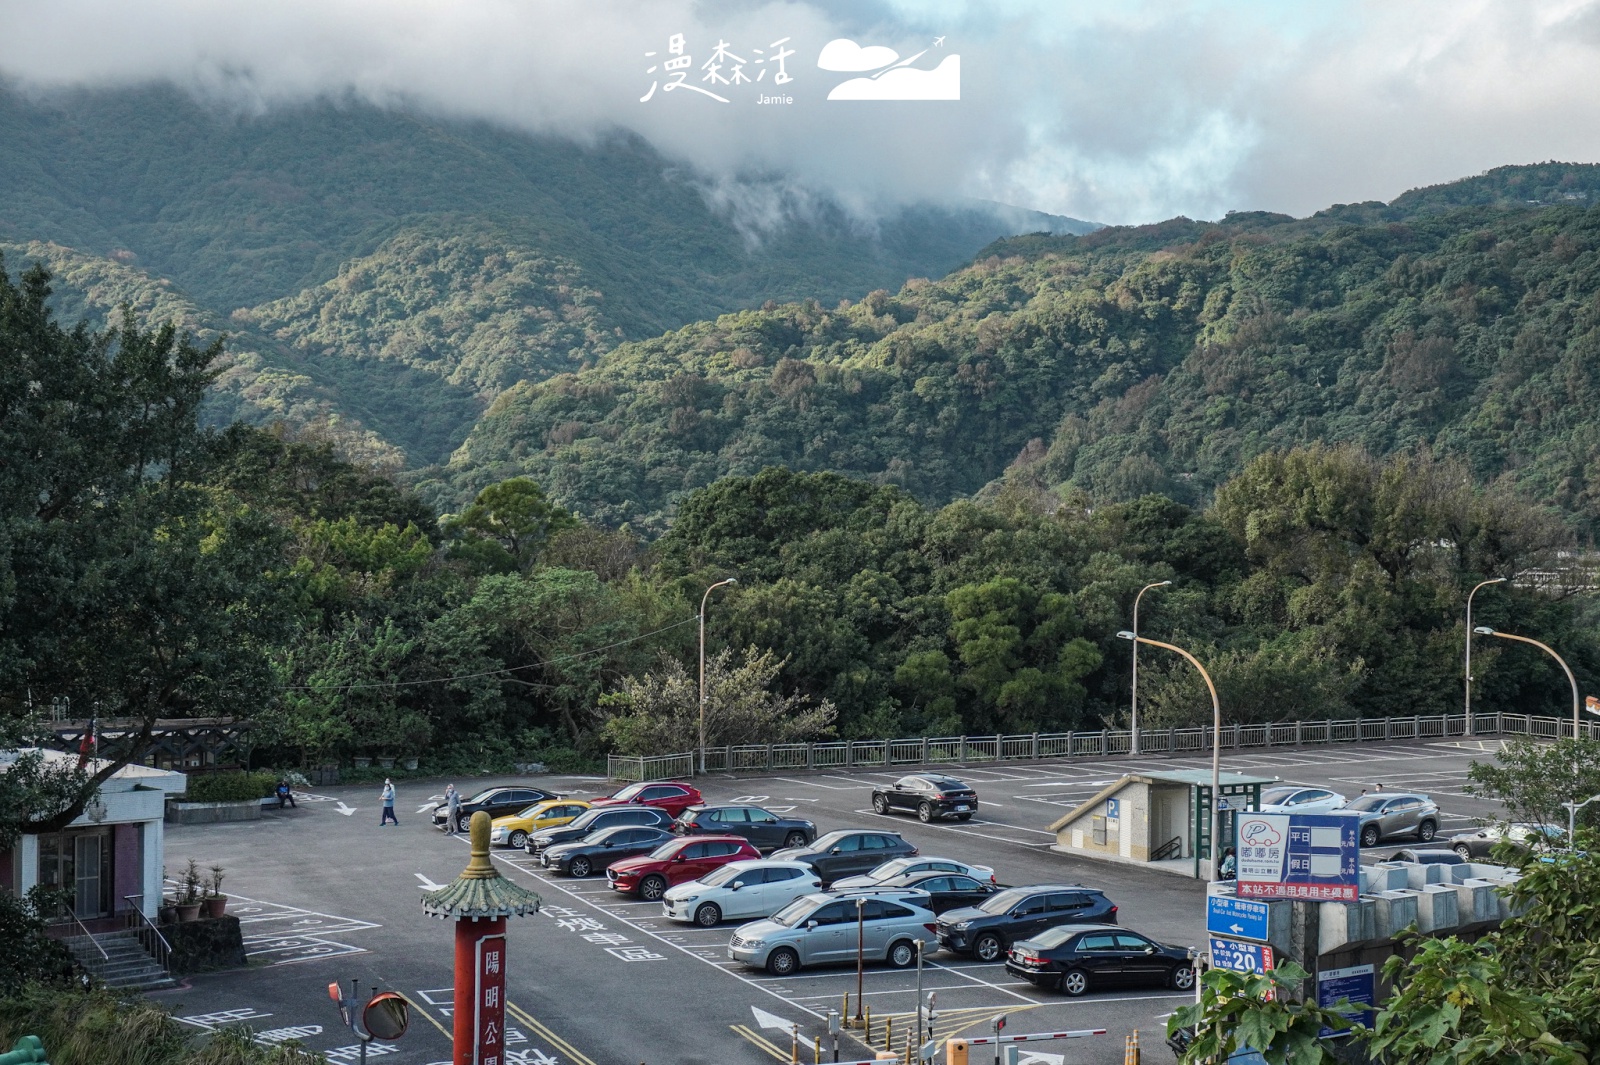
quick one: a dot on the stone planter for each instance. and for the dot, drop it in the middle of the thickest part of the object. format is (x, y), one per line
(410, 764)
(188, 911)
(214, 906)
(386, 763)
(363, 763)
(206, 945)
(203, 813)
(167, 914)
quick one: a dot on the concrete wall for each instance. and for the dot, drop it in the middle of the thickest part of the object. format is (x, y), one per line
(206, 813)
(1127, 835)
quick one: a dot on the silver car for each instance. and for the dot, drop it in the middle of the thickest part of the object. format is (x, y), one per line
(1293, 799)
(822, 929)
(1395, 813)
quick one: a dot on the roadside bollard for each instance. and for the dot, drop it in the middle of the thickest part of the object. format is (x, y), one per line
(888, 1033)
(867, 1030)
(794, 1047)
(816, 1050)
(1130, 1054)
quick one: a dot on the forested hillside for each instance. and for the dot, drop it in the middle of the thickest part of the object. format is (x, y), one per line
(1128, 361)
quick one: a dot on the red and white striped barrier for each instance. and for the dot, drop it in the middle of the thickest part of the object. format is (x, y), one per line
(991, 1040)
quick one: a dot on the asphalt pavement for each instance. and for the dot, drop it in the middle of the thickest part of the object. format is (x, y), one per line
(325, 894)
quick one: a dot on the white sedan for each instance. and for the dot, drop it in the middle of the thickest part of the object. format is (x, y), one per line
(918, 864)
(1296, 799)
(751, 888)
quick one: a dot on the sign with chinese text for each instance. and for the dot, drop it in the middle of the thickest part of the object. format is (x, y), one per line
(1358, 983)
(1299, 856)
(1236, 918)
(489, 1001)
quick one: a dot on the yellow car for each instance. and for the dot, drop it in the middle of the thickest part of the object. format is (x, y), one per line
(513, 831)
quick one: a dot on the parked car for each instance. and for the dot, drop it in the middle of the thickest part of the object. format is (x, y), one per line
(989, 928)
(848, 852)
(901, 866)
(945, 891)
(593, 820)
(599, 850)
(1476, 846)
(496, 802)
(822, 929)
(512, 831)
(761, 827)
(674, 862)
(740, 890)
(1395, 813)
(929, 797)
(1294, 799)
(1425, 856)
(668, 795)
(1075, 958)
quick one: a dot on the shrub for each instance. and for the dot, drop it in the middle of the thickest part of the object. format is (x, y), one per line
(233, 786)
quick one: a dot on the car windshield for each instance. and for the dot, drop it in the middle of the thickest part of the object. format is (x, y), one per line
(484, 796)
(604, 834)
(1002, 902)
(890, 870)
(832, 839)
(1054, 937)
(668, 849)
(792, 914)
(722, 876)
(628, 792)
(1366, 802)
(530, 811)
(1274, 796)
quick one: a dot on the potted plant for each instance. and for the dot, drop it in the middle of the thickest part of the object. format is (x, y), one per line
(216, 902)
(189, 898)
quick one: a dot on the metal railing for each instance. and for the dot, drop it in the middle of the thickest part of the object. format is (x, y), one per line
(150, 938)
(70, 912)
(1100, 743)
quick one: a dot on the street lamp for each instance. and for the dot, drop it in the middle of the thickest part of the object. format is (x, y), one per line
(1484, 630)
(1216, 735)
(1481, 584)
(703, 598)
(1572, 817)
(1134, 742)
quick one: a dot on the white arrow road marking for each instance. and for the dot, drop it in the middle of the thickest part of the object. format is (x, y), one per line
(346, 810)
(428, 885)
(1034, 1057)
(426, 807)
(771, 1020)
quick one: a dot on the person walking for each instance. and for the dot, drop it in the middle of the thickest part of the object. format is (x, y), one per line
(388, 804)
(452, 806)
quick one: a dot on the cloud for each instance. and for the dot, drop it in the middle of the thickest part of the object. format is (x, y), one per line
(1120, 113)
(846, 55)
(906, 83)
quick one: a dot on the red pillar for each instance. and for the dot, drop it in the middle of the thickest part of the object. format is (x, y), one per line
(480, 994)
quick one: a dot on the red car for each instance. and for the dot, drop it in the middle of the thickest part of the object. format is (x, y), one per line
(680, 861)
(668, 795)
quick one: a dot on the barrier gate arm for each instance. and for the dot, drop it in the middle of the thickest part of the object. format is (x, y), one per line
(956, 1049)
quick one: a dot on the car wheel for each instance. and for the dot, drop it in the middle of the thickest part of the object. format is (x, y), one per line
(902, 954)
(925, 812)
(963, 817)
(988, 947)
(1369, 836)
(880, 804)
(708, 915)
(795, 839)
(518, 839)
(1464, 851)
(580, 867)
(782, 962)
(1426, 830)
(1074, 982)
(651, 888)
(1181, 978)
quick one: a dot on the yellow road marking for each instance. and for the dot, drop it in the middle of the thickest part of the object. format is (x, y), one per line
(760, 1042)
(544, 1031)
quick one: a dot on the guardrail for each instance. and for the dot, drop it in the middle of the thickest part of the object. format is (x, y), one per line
(150, 938)
(1101, 743)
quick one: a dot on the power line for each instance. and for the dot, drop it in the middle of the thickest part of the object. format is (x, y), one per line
(492, 672)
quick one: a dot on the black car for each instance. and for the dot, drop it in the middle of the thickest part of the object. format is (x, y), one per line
(1423, 856)
(595, 852)
(929, 797)
(764, 829)
(594, 820)
(989, 928)
(841, 854)
(496, 802)
(1074, 958)
(945, 891)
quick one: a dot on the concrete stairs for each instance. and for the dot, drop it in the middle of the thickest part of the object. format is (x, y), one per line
(126, 964)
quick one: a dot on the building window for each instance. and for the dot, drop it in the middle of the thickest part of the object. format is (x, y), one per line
(79, 862)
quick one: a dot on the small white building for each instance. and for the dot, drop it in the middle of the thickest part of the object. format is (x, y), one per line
(111, 857)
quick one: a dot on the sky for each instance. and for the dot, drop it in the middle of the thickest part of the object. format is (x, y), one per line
(1114, 112)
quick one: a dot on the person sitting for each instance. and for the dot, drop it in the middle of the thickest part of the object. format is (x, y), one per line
(285, 796)
(1229, 865)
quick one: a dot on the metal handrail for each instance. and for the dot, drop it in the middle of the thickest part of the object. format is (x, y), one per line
(90, 935)
(148, 928)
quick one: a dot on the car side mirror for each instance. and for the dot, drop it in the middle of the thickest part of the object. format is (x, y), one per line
(811, 924)
(1149, 950)
(679, 858)
(737, 884)
(834, 851)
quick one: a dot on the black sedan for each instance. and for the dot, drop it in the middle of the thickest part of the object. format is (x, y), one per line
(595, 852)
(929, 797)
(594, 820)
(496, 802)
(848, 853)
(764, 829)
(1075, 958)
(946, 891)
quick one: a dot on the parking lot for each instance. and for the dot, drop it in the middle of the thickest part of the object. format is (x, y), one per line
(324, 894)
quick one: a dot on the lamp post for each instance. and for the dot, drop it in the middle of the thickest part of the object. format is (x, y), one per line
(1481, 584)
(703, 598)
(1216, 734)
(1484, 630)
(1134, 723)
(1572, 817)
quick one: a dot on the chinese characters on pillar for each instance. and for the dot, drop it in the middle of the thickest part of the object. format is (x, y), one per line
(489, 1005)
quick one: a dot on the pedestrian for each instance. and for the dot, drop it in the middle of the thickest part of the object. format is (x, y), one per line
(1229, 864)
(452, 807)
(388, 804)
(285, 795)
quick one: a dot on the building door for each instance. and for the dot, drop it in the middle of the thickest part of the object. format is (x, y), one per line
(79, 863)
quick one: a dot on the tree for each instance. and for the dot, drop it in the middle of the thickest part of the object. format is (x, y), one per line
(1236, 1013)
(514, 516)
(1532, 779)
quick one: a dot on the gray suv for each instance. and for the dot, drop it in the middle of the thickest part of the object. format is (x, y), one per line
(848, 853)
(1396, 813)
(822, 929)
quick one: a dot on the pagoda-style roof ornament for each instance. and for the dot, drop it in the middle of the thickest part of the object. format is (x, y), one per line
(480, 890)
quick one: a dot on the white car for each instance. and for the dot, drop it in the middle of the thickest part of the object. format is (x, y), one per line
(1298, 799)
(751, 888)
(901, 866)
